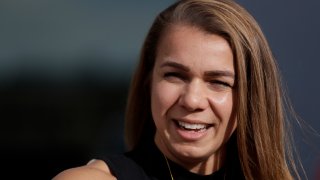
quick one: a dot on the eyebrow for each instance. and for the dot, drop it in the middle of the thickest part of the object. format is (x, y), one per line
(218, 73)
(176, 65)
(214, 73)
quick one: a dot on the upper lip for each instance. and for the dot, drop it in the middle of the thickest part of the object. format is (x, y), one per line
(192, 121)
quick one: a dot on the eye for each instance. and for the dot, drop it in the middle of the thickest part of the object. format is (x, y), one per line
(174, 76)
(219, 84)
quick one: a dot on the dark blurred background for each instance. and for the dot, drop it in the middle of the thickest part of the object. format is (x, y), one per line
(65, 68)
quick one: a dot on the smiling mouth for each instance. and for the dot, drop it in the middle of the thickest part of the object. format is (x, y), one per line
(197, 127)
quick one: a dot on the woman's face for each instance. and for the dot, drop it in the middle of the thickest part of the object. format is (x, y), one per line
(192, 95)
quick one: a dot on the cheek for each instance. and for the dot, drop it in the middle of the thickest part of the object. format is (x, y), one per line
(225, 111)
(163, 96)
(230, 121)
(223, 105)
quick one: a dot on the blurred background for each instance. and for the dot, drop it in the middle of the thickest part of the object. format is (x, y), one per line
(65, 68)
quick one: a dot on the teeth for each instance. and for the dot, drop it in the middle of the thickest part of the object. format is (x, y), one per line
(191, 126)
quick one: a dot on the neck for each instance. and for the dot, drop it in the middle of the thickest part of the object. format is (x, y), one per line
(203, 166)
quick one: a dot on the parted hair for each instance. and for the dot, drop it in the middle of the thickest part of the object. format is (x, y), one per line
(261, 137)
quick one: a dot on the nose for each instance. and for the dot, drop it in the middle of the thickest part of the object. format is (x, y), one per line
(194, 96)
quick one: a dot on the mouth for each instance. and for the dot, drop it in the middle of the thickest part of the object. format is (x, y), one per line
(195, 127)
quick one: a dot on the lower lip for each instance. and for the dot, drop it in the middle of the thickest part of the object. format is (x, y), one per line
(190, 135)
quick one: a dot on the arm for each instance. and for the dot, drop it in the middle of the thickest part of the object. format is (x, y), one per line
(96, 169)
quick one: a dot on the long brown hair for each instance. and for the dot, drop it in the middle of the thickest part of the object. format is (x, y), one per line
(261, 136)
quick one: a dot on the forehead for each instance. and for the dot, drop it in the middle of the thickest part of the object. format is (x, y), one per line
(188, 44)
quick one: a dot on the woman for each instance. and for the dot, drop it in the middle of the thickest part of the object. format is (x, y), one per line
(205, 102)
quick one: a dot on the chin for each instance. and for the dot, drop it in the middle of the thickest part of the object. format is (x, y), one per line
(192, 152)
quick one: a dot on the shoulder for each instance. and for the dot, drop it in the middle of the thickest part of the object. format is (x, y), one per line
(95, 169)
